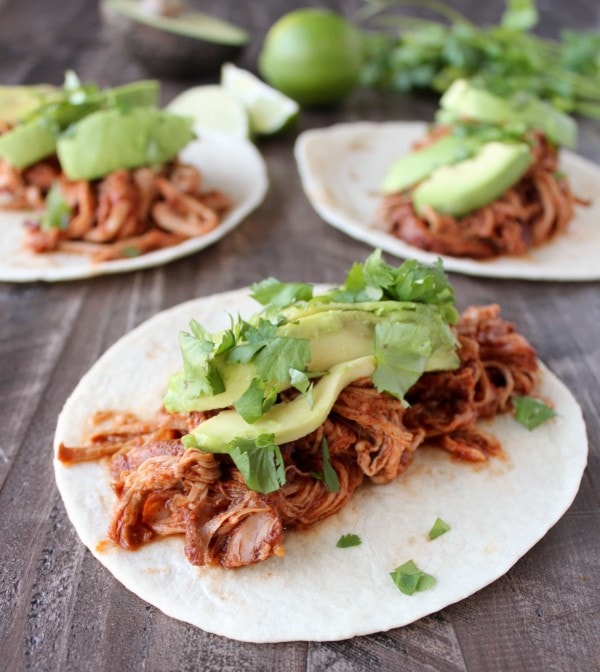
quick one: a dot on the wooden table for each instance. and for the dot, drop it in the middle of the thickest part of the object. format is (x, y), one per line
(60, 609)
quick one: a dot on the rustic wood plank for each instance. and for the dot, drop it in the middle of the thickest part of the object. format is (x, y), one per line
(59, 608)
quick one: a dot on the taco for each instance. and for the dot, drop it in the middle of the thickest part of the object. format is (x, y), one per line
(93, 181)
(292, 485)
(490, 194)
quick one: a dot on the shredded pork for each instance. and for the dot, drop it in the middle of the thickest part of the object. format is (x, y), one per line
(125, 214)
(532, 212)
(162, 489)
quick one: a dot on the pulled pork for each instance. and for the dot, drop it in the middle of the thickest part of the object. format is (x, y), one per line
(532, 212)
(163, 489)
(125, 214)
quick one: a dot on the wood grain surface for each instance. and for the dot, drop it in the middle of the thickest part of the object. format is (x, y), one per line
(59, 608)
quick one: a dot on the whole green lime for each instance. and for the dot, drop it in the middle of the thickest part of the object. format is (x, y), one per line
(313, 56)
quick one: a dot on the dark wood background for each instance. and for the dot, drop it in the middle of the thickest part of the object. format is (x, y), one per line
(59, 608)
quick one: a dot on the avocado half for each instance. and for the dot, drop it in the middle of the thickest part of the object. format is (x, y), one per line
(168, 39)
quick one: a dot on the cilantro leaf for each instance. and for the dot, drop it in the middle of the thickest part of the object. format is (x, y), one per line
(329, 474)
(200, 372)
(520, 15)
(250, 404)
(260, 462)
(279, 355)
(280, 294)
(301, 381)
(439, 527)
(57, 212)
(401, 352)
(349, 540)
(410, 579)
(531, 413)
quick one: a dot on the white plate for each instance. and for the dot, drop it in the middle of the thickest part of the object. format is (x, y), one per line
(232, 165)
(342, 168)
(497, 512)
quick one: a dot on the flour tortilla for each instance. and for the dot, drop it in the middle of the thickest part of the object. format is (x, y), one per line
(232, 165)
(497, 512)
(342, 168)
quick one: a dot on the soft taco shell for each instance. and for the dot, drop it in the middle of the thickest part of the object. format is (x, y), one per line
(342, 168)
(231, 165)
(497, 512)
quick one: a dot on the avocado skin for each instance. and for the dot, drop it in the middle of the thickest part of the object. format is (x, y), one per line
(464, 100)
(416, 166)
(109, 140)
(161, 47)
(36, 138)
(460, 189)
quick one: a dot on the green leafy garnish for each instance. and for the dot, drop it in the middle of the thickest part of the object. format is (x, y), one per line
(439, 527)
(348, 540)
(57, 212)
(375, 280)
(131, 251)
(401, 352)
(329, 474)
(530, 412)
(200, 371)
(253, 403)
(280, 294)
(260, 462)
(272, 355)
(506, 58)
(410, 579)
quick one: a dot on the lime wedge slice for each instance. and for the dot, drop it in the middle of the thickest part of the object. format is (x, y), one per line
(213, 109)
(268, 109)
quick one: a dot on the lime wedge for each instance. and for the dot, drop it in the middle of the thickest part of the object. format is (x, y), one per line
(213, 109)
(268, 109)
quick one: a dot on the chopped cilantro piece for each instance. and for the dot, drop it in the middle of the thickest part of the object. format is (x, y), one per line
(131, 251)
(301, 381)
(410, 579)
(200, 372)
(259, 461)
(401, 352)
(329, 474)
(280, 294)
(439, 528)
(57, 212)
(250, 404)
(531, 412)
(348, 540)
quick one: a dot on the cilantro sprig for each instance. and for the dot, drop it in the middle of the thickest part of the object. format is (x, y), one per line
(375, 280)
(260, 462)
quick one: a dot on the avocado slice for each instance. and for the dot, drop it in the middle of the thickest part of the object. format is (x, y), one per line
(36, 138)
(416, 166)
(468, 185)
(16, 102)
(111, 139)
(464, 100)
(337, 333)
(287, 421)
(28, 143)
(176, 43)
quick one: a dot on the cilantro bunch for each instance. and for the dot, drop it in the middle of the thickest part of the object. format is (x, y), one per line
(506, 58)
